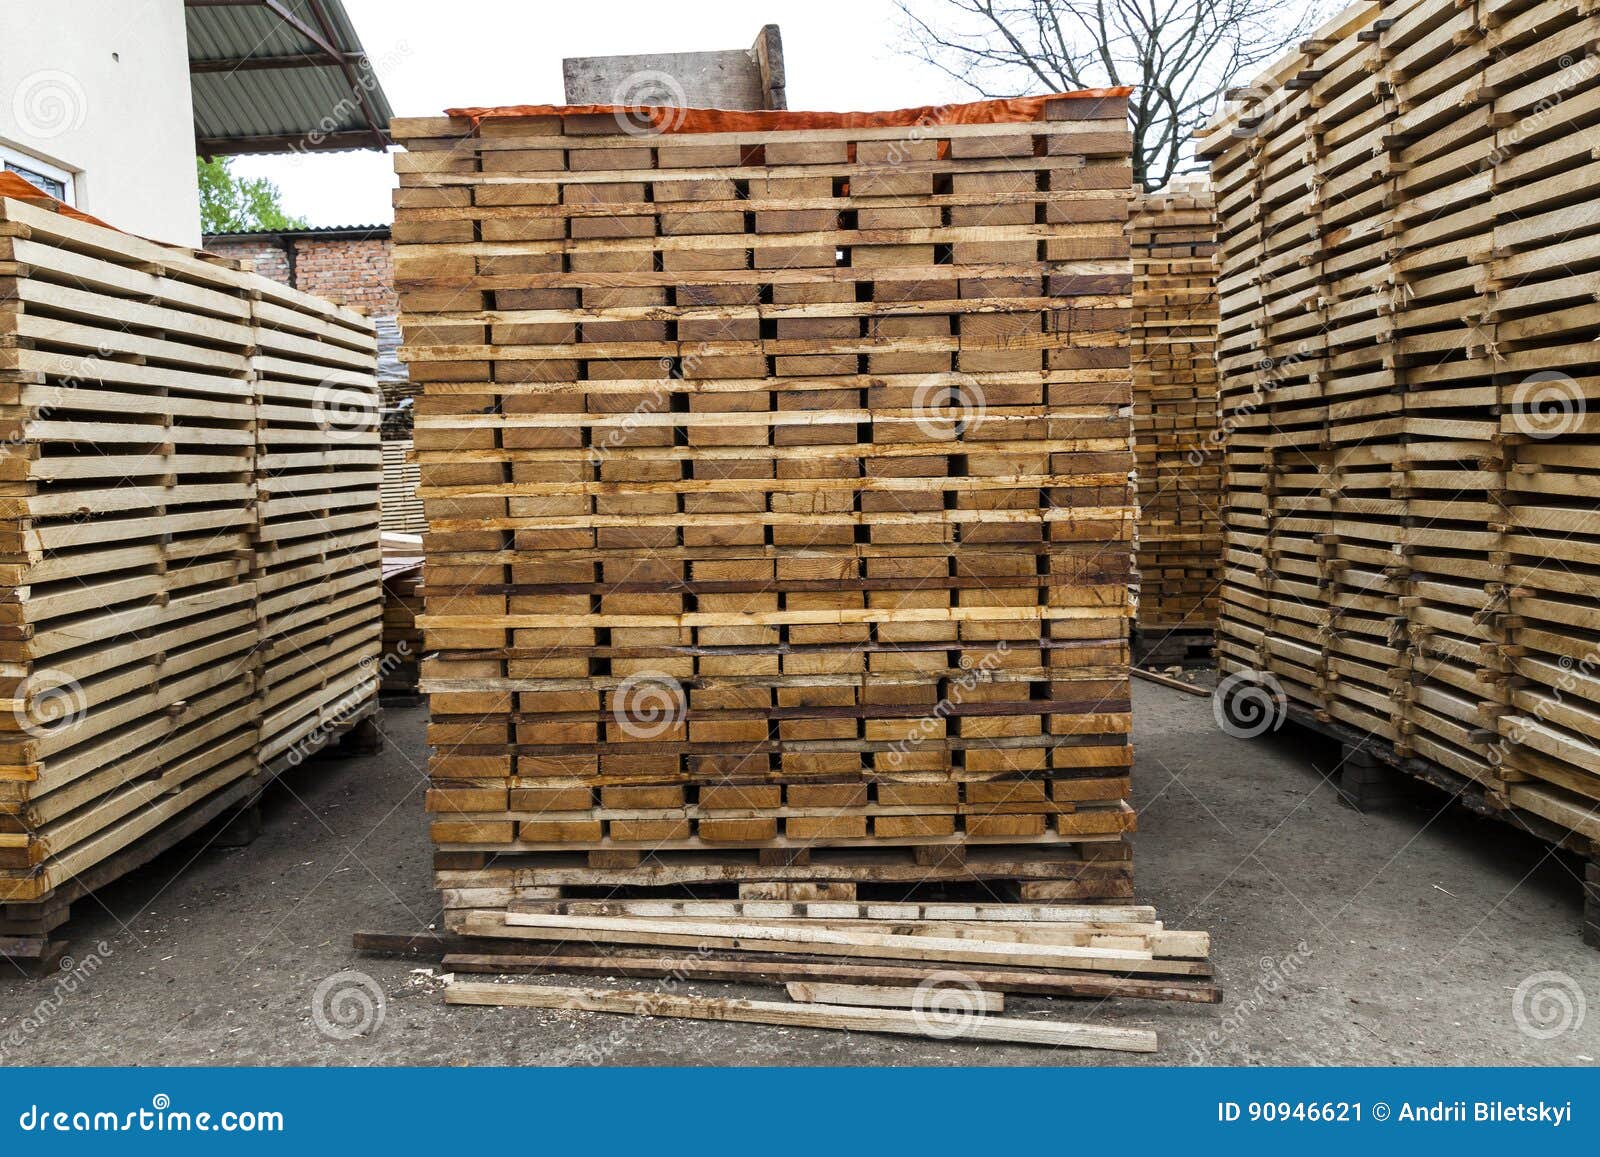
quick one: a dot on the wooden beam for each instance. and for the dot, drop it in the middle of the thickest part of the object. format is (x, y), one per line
(756, 937)
(882, 996)
(897, 1022)
(256, 63)
(289, 142)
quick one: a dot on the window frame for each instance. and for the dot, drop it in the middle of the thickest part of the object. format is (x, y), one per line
(11, 155)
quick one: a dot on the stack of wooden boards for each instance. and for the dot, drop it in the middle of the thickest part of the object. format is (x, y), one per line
(402, 603)
(916, 968)
(1177, 444)
(777, 482)
(1410, 243)
(189, 584)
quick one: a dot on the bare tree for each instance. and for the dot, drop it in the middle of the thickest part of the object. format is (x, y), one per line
(1180, 55)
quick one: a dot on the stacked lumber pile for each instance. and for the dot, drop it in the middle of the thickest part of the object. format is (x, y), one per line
(148, 534)
(319, 596)
(1177, 447)
(402, 509)
(1409, 241)
(922, 969)
(400, 670)
(776, 476)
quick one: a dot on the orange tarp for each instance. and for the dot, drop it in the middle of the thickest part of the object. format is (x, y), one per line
(666, 119)
(18, 189)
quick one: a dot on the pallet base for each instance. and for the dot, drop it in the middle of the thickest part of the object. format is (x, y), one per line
(26, 928)
(1172, 647)
(1369, 767)
(1099, 871)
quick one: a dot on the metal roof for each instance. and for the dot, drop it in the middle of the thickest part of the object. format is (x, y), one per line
(279, 76)
(312, 232)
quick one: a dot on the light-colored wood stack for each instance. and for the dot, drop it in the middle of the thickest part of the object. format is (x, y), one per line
(1177, 446)
(777, 486)
(320, 600)
(129, 466)
(1406, 342)
(402, 509)
(145, 536)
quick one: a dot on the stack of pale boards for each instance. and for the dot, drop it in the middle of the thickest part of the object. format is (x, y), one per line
(910, 968)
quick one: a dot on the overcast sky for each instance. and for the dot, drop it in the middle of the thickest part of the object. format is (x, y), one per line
(432, 55)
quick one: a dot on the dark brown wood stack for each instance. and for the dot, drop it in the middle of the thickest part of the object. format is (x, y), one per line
(777, 489)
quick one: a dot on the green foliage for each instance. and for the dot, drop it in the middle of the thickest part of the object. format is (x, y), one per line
(230, 204)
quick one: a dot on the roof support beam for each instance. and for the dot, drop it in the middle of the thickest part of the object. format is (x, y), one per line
(249, 63)
(286, 143)
(357, 89)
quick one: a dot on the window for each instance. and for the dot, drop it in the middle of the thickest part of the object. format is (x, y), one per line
(51, 178)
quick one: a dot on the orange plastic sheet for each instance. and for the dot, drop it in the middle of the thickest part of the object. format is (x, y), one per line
(666, 119)
(18, 189)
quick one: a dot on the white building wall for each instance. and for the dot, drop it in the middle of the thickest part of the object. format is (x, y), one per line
(100, 89)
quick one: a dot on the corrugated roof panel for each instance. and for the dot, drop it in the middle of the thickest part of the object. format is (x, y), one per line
(308, 107)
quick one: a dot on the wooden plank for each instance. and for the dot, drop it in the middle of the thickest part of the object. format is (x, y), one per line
(890, 1021)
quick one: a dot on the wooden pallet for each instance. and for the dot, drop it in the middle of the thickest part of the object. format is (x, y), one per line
(134, 564)
(791, 463)
(31, 935)
(1405, 339)
(1178, 446)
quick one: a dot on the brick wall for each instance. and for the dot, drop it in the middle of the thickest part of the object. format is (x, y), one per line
(357, 273)
(268, 258)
